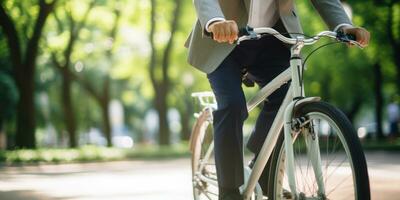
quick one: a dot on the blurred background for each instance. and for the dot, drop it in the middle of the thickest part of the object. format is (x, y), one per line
(78, 76)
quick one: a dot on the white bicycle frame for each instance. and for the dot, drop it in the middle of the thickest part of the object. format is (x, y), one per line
(293, 98)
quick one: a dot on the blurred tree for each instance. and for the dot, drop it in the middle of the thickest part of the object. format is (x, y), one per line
(159, 74)
(384, 51)
(103, 96)
(23, 55)
(186, 116)
(393, 27)
(73, 27)
(183, 101)
(95, 82)
(378, 99)
(330, 74)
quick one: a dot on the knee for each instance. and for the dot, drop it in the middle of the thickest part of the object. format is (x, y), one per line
(235, 108)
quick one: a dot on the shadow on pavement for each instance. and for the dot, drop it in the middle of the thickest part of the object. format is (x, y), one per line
(27, 194)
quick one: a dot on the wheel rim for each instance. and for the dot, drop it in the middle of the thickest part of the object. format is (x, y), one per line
(201, 189)
(337, 167)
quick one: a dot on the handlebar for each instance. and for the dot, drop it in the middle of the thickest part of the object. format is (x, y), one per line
(249, 33)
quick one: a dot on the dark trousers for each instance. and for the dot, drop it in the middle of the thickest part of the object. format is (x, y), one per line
(264, 59)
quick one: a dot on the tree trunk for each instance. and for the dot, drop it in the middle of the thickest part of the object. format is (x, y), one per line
(104, 104)
(355, 107)
(186, 115)
(185, 135)
(102, 100)
(68, 108)
(25, 133)
(162, 109)
(378, 100)
(325, 91)
(397, 63)
(67, 74)
(393, 40)
(106, 122)
(24, 63)
(161, 85)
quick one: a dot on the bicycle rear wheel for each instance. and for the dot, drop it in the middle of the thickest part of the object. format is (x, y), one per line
(343, 170)
(204, 174)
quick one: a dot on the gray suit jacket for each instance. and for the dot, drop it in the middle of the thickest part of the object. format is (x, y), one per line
(206, 54)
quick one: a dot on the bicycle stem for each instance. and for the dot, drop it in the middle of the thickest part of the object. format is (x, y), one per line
(296, 69)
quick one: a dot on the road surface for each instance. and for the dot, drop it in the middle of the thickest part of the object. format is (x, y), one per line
(147, 180)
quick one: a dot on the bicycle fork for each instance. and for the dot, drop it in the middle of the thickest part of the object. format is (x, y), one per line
(312, 143)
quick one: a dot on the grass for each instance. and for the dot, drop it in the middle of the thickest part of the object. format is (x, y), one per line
(95, 153)
(385, 145)
(91, 153)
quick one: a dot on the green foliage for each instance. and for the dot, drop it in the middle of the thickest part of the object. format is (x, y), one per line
(381, 48)
(338, 74)
(387, 145)
(90, 154)
(344, 76)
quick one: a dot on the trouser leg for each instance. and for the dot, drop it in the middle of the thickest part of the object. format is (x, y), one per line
(228, 122)
(264, 59)
(263, 124)
(265, 119)
(273, 61)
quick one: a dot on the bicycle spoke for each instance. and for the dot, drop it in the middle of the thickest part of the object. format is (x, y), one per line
(205, 194)
(311, 188)
(338, 185)
(299, 166)
(326, 163)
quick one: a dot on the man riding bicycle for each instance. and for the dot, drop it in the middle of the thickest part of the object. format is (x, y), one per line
(212, 50)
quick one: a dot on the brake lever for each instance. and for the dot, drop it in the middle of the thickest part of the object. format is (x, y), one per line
(348, 38)
(247, 33)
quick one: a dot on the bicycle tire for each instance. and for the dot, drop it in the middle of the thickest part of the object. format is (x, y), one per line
(351, 146)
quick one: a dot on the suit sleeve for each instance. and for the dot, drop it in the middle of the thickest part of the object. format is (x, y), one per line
(332, 12)
(207, 10)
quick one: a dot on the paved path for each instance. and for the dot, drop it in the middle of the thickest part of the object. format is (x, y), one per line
(146, 180)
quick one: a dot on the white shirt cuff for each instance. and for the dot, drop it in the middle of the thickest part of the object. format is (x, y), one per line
(213, 20)
(341, 26)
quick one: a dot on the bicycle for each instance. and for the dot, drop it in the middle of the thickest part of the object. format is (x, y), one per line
(313, 149)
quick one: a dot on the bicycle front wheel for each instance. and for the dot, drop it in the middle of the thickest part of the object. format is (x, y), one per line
(328, 159)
